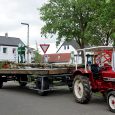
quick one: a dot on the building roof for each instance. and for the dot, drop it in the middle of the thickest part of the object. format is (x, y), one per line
(73, 43)
(10, 41)
(59, 58)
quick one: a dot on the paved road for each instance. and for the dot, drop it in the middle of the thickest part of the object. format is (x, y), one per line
(17, 101)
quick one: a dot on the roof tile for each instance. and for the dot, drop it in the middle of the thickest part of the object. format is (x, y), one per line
(10, 41)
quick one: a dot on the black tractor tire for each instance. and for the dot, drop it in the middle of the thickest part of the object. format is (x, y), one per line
(82, 89)
(1, 84)
(111, 101)
(22, 84)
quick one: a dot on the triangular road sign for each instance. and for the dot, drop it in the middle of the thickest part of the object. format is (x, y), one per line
(44, 47)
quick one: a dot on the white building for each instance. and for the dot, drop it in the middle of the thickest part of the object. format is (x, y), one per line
(69, 47)
(9, 48)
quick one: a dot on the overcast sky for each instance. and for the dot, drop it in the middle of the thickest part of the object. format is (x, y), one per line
(13, 12)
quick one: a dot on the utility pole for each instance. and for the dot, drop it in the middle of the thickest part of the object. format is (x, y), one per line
(27, 40)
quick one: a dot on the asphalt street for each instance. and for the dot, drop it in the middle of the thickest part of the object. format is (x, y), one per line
(17, 101)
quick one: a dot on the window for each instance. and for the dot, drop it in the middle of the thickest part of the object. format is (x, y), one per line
(64, 47)
(14, 50)
(68, 47)
(4, 50)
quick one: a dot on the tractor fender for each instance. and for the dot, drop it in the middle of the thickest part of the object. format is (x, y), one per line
(79, 72)
(109, 90)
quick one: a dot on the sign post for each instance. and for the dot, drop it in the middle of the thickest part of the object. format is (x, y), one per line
(44, 48)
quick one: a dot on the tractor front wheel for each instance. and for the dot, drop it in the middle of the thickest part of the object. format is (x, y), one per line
(111, 101)
(81, 89)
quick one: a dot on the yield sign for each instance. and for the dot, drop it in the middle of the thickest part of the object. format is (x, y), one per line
(44, 47)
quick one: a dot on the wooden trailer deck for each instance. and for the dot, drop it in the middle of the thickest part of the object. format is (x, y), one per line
(34, 71)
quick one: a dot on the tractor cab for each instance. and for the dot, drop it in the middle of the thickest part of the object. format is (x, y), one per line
(98, 59)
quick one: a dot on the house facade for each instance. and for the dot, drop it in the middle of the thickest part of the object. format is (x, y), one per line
(9, 48)
(69, 47)
(8, 53)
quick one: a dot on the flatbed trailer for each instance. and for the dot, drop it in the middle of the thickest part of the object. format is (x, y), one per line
(36, 71)
(43, 80)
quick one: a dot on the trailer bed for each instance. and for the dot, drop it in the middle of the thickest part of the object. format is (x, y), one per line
(40, 79)
(34, 71)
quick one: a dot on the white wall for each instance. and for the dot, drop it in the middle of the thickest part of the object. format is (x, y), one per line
(9, 55)
(64, 49)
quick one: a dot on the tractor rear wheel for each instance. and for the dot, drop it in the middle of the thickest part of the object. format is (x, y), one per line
(81, 89)
(111, 101)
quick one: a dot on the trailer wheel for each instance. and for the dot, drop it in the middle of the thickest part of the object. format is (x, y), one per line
(111, 101)
(70, 85)
(42, 85)
(1, 84)
(81, 89)
(70, 89)
(22, 84)
(22, 79)
(104, 96)
(43, 93)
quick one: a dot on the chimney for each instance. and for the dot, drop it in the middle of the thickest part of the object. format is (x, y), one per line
(6, 35)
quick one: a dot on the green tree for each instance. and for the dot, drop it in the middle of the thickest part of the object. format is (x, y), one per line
(102, 27)
(68, 19)
(87, 21)
(38, 57)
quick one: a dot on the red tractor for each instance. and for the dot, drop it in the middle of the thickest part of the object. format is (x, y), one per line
(97, 75)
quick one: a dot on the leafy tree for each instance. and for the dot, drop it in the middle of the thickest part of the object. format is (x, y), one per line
(103, 25)
(88, 22)
(38, 57)
(68, 19)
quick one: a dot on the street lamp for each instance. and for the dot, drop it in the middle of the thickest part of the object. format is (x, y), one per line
(27, 41)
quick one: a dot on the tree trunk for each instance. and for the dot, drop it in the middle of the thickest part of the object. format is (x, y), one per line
(107, 40)
(82, 53)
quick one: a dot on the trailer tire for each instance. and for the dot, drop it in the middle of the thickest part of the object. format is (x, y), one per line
(70, 89)
(43, 93)
(42, 87)
(104, 96)
(1, 84)
(81, 89)
(111, 101)
(70, 85)
(23, 84)
(22, 79)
